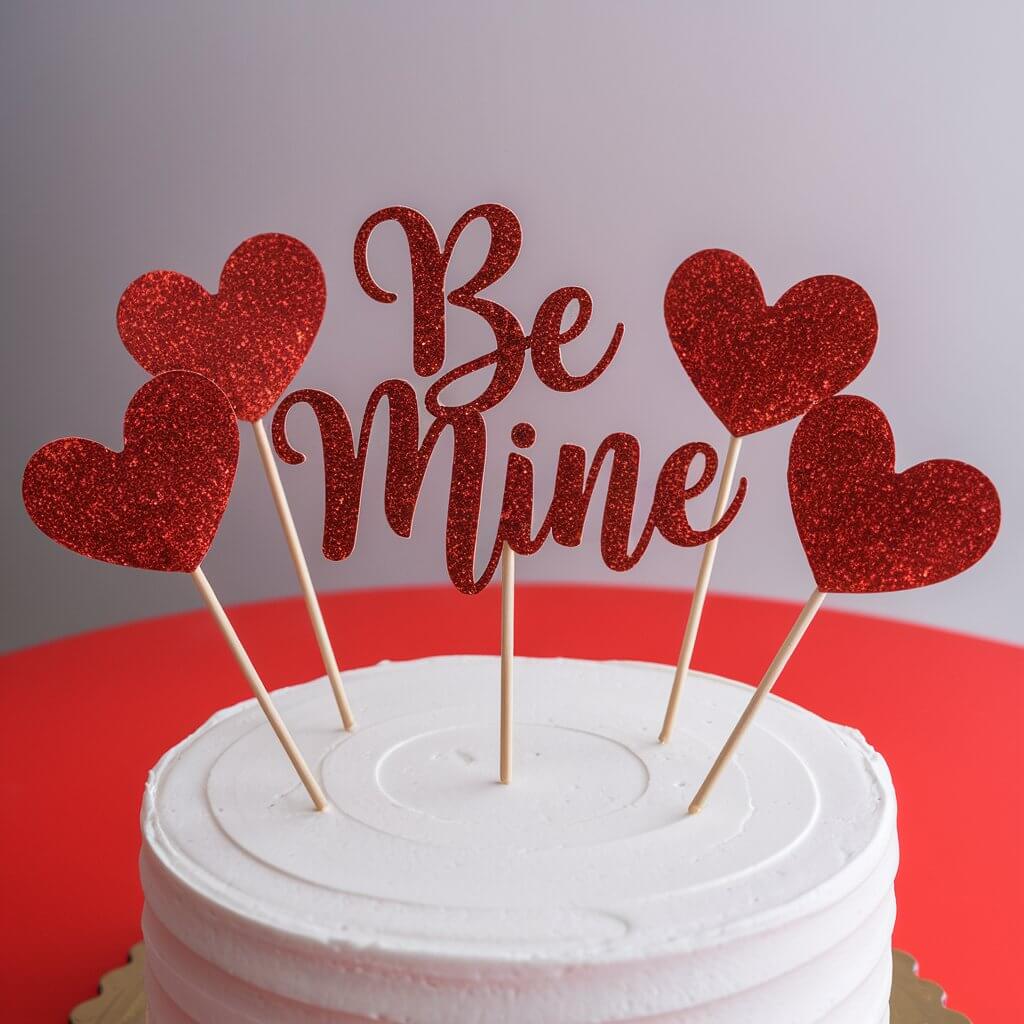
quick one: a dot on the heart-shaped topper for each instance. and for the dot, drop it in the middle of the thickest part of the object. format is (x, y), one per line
(757, 365)
(250, 338)
(867, 528)
(156, 504)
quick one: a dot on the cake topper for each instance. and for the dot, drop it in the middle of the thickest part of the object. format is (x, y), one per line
(250, 338)
(157, 503)
(866, 528)
(344, 451)
(757, 366)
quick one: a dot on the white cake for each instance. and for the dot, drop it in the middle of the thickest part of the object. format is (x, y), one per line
(582, 893)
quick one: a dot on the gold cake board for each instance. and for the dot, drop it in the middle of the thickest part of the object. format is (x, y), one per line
(123, 1001)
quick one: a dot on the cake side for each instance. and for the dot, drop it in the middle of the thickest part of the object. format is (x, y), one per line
(583, 893)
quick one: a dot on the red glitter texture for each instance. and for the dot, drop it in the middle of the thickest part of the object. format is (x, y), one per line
(345, 455)
(757, 365)
(429, 264)
(867, 528)
(250, 338)
(156, 504)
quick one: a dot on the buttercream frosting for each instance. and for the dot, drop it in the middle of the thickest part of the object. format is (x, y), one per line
(582, 893)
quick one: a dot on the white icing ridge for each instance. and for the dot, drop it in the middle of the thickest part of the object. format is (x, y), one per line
(582, 893)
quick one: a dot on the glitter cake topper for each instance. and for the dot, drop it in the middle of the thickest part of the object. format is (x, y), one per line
(429, 263)
(757, 365)
(345, 452)
(157, 503)
(250, 338)
(865, 527)
(575, 483)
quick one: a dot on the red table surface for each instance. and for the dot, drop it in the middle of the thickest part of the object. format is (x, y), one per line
(85, 717)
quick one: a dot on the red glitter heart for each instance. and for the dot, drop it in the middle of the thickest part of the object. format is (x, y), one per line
(758, 365)
(156, 504)
(867, 528)
(250, 338)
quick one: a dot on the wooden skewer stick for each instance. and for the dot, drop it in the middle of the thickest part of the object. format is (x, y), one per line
(700, 592)
(782, 656)
(259, 690)
(508, 615)
(316, 618)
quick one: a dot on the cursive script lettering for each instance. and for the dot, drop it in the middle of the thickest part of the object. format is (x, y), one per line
(429, 264)
(408, 458)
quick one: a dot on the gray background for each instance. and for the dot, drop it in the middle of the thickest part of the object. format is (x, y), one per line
(877, 140)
